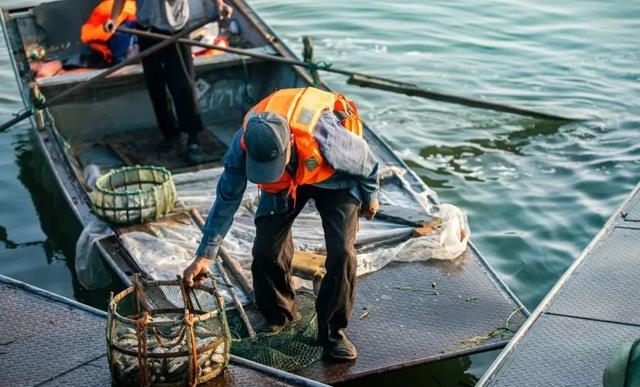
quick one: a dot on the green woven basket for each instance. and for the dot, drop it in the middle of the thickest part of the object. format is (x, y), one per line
(134, 195)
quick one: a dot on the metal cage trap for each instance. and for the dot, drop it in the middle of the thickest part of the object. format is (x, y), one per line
(162, 333)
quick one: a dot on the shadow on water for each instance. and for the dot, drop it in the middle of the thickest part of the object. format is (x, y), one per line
(57, 221)
(451, 158)
(458, 372)
(463, 371)
(11, 245)
(511, 142)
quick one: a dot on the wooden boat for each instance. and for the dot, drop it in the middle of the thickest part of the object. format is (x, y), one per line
(405, 313)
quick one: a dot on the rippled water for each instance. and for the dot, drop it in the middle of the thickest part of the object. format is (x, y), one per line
(536, 193)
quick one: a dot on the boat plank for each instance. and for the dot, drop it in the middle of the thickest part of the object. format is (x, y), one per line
(592, 310)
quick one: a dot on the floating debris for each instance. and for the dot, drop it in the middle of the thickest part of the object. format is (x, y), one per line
(481, 339)
(410, 289)
(472, 299)
(500, 331)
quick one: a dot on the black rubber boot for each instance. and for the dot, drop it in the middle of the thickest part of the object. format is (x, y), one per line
(342, 350)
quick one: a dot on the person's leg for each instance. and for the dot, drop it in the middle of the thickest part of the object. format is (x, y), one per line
(271, 267)
(179, 64)
(156, 81)
(339, 212)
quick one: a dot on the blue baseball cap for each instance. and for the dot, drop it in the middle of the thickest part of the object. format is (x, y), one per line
(266, 139)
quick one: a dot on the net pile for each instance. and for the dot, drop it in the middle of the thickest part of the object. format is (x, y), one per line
(134, 195)
(167, 335)
(291, 349)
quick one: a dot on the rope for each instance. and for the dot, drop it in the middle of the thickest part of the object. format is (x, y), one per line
(193, 354)
(141, 333)
(39, 101)
(188, 320)
(319, 65)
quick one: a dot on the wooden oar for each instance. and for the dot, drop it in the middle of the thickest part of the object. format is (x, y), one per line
(365, 80)
(413, 90)
(167, 40)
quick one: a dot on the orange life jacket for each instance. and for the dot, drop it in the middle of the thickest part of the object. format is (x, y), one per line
(302, 107)
(93, 33)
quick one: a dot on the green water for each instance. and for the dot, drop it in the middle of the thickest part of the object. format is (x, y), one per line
(535, 193)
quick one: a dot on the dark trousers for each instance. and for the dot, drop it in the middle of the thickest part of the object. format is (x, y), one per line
(172, 68)
(273, 252)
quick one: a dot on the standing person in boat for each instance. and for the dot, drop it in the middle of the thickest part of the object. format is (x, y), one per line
(295, 154)
(171, 67)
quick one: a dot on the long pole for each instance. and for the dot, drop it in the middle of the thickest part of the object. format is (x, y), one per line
(232, 289)
(167, 40)
(365, 80)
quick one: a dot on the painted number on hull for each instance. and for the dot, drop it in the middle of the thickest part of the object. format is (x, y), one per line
(222, 95)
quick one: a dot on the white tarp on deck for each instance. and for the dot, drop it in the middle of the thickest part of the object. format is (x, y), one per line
(171, 247)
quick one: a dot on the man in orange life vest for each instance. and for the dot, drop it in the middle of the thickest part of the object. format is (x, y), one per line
(293, 145)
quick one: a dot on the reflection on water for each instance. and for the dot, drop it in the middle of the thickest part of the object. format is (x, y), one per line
(11, 245)
(60, 228)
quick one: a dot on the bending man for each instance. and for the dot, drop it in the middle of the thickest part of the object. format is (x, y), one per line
(295, 148)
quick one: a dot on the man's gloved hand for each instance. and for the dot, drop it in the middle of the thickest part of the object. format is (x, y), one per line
(368, 211)
(196, 273)
(109, 25)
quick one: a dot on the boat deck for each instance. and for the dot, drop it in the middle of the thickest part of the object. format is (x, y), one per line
(48, 340)
(400, 321)
(592, 310)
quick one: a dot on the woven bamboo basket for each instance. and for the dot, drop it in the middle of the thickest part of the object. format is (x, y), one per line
(134, 195)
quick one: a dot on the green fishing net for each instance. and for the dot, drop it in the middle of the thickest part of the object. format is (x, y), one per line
(290, 349)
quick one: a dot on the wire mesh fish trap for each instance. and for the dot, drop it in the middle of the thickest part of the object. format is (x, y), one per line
(160, 333)
(134, 195)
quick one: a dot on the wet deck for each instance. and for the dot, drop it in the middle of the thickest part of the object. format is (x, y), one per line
(399, 322)
(591, 311)
(48, 340)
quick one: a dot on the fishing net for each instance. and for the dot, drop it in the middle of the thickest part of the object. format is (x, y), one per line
(290, 349)
(134, 195)
(160, 333)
